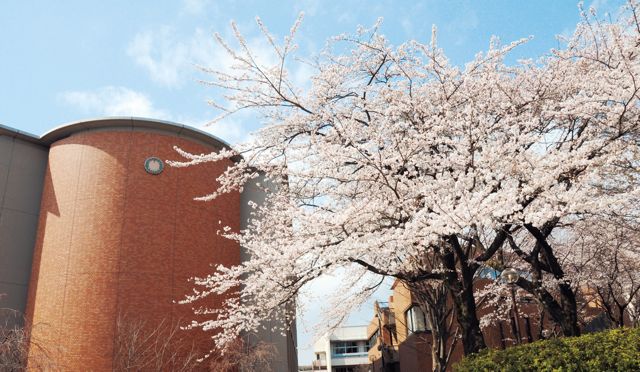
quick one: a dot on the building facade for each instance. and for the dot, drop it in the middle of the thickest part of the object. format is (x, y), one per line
(95, 229)
(400, 332)
(343, 350)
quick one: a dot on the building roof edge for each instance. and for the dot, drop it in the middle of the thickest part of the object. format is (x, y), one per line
(180, 130)
(15, 133)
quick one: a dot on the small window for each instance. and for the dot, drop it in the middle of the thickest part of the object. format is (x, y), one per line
(345, 369)
(373, 339)
(416, 320)
(487, 273)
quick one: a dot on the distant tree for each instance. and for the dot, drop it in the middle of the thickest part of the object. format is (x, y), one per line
(605, 260)
(393, 153)
(141, 345)
(20, 350)
(244, 355)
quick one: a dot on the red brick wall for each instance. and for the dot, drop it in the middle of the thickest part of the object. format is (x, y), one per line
(113, 239)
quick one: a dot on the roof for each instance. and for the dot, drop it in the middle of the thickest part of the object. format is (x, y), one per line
(349, 333)
(345, 333)
(121, 123)
(15, 133)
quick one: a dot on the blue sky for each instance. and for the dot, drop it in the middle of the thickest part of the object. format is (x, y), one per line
(64, 61)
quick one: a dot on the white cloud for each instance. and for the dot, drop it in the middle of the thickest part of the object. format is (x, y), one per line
(161, 55)
(113, 101)
(170, 60)
(121, 101)
(463, 24)
(601, 5)
(194, 6)
(231, 131)
(309, 7)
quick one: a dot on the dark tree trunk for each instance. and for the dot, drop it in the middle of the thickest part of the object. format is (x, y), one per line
(514, 330)
(472, 338)
(564, 313)
(621, 316)
(461, 287)
(543, 258)
(501, 329)
(527, 326)
(569, 322)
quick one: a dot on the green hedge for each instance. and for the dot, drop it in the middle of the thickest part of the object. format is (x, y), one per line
(614, 350)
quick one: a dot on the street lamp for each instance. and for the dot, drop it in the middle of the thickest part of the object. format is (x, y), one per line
(511, 276)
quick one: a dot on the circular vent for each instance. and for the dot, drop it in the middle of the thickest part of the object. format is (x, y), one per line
(153, 165)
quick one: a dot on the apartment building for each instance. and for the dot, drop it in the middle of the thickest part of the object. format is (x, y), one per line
(399, 333)
(343, 350)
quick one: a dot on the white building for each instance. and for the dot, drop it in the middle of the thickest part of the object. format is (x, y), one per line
(344, 350)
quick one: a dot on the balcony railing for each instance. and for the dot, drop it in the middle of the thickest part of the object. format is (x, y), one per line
(319, 363)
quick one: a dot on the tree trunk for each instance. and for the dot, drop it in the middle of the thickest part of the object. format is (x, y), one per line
(569, 322)
(472, 338)
(621, 316)
(461, 287)
(465, 304)
(567, 314)
(437, 349)
(564, 313)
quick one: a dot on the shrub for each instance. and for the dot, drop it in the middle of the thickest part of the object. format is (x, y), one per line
(20, 350)
(614, 350)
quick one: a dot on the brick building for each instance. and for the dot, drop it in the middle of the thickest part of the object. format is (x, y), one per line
(400, 334)
(94, 227)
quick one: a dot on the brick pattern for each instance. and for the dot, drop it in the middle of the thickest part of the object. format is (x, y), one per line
(113, 239)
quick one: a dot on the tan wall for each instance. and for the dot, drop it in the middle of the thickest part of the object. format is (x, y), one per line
(113, 239)
(414, 351)
(386, 343)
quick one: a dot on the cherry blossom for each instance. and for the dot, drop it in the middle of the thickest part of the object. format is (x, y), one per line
(393, 157)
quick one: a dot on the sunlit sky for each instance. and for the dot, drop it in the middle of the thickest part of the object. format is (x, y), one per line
(64, 61)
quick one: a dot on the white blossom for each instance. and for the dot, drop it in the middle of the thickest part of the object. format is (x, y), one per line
(392, 149)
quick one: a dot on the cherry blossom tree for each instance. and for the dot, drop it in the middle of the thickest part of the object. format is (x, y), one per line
(393, 154)
(605, 262)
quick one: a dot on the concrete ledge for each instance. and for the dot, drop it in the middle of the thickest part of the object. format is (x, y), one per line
(132, 123)
(118, 123)
(15, 133)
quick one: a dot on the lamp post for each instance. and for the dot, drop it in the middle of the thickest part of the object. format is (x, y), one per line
(511, 276)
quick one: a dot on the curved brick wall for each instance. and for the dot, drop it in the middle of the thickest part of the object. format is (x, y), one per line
(113, 239)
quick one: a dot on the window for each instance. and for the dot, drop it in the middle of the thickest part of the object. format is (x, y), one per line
(345, 369)
(487, 272)
(345, 347)
(416, 320)
(373, 339)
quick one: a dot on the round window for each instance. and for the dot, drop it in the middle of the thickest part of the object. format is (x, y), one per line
(153, 165)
